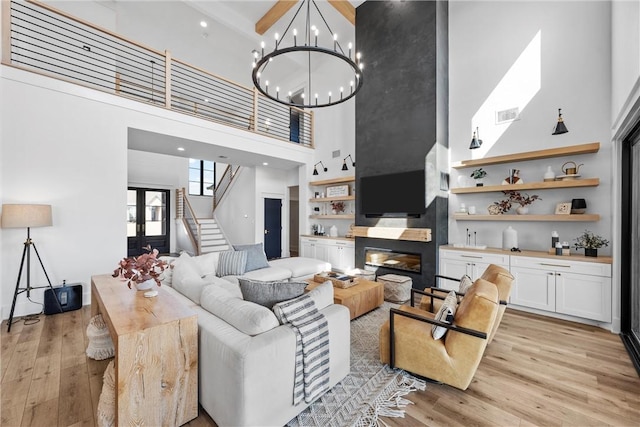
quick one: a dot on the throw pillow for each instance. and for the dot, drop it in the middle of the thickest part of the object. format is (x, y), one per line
(231, 263)
(256, 258)
(270, 293)
(465, 284)
(445, 314)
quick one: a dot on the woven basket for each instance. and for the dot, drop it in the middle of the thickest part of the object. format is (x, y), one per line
(396, 288)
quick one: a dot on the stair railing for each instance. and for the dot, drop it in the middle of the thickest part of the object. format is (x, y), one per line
(185, 212)
(223, 185)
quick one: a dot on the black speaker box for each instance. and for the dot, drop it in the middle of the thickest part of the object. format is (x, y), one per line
(69, 296)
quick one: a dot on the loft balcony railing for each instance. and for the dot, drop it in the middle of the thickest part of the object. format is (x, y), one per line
(42, 39)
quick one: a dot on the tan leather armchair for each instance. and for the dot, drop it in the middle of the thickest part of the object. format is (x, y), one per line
(499, 276)
(406, 341)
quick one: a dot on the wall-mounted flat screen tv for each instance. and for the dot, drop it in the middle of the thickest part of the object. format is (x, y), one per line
(393, 195)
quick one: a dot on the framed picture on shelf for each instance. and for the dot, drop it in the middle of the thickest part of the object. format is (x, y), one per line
(563, 208)
(341, 190)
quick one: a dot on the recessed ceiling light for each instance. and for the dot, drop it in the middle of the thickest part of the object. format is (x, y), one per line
(203, 24)
(265, 164)
(180, 148)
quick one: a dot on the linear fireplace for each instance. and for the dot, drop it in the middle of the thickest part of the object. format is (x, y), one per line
(394, 260)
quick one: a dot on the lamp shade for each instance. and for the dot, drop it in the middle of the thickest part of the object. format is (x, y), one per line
(23, 216)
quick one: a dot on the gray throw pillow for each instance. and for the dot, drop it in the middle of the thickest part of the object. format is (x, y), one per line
(269, 294)
(231, 263)
(256, 258)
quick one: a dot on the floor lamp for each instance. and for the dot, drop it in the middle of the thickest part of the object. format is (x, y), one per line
(21, 216)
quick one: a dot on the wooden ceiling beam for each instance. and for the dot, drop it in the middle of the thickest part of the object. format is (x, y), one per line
(272, 16)
(346, 9)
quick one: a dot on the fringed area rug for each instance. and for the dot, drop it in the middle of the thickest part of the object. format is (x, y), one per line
(370, 390)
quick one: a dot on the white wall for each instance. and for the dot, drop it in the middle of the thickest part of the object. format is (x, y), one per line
(562, 66)
(237, 213)
(67, 146)
(625, 57)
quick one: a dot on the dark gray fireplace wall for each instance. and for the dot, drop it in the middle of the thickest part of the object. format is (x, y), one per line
(402, 109)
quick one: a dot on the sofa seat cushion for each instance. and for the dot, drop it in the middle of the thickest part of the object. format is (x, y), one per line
(301, 267)
(268, 274)
(249, 318)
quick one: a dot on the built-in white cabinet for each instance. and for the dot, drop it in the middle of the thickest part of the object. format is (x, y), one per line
(458, 263)
(340, 253)
(569, 287)
(556, 284)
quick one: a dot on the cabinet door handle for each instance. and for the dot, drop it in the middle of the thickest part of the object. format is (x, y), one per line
(471, 256)
(558, 274)
(555, 265)
(550, 274)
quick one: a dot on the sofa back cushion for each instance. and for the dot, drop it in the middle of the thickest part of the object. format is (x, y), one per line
(249, 318)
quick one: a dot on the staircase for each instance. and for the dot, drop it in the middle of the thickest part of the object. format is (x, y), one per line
(211, 237)
(204, 233)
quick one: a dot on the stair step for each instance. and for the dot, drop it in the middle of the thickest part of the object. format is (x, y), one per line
(207, 249)
(213, 239)
(214, 242)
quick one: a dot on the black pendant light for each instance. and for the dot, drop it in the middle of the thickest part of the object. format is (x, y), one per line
(560, 126)
(476, 142)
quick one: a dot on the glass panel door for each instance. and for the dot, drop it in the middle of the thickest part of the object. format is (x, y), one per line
(147, 220)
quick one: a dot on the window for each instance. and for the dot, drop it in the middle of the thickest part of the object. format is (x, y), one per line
(201, 177)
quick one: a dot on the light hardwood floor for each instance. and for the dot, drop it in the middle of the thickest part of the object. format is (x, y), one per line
(537, 371)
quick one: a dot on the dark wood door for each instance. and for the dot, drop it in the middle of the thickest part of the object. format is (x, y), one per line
(147, 220)
(273, 228)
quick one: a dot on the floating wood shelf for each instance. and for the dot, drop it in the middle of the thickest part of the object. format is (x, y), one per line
(558, 218)
(589, 182)
(331, 199)
(340, 180)
(394, 233)
(336, 216)
(592, 147)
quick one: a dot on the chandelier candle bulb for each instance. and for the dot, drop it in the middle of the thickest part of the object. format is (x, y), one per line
(335, 42)
(262, 47)
(350, 47)
(295, 37)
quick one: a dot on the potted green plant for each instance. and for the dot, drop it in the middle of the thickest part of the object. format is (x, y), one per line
(590, 242)
(479, 175)
(143, 270)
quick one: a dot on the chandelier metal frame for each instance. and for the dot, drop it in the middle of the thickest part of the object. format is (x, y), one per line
(260, 64)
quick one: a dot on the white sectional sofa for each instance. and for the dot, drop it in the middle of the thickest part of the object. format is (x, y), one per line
(246, 358)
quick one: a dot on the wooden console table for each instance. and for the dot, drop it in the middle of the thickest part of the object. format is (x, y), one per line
(156, 353)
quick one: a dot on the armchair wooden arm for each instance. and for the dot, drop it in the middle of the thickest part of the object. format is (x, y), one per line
(450, 326)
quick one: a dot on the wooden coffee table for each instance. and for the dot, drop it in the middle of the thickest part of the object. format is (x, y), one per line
(359, 299)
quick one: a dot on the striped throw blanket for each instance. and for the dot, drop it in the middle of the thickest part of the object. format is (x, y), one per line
(312, 346)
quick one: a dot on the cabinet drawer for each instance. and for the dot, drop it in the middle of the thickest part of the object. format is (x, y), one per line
(563, 265)
(469, 256)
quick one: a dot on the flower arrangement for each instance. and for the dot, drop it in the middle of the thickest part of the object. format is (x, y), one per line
(141, 268)
(588, 240)
(522, 200)
(478, 174)
(337, 206)
(503, 206)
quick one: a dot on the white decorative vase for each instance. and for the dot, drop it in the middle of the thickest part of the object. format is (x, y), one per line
(522, 210)
(509, 238)
(146, 285)
(549, 175)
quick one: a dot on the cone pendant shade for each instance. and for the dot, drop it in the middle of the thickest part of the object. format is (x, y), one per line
(560, 126)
